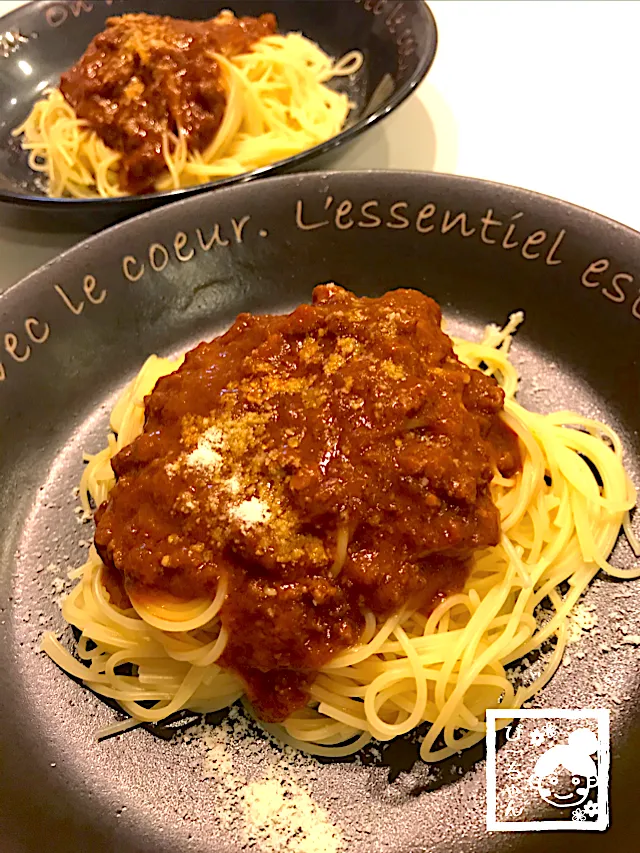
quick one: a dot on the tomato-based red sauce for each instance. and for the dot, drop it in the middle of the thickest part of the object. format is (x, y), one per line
(146, 76)
(329, 462)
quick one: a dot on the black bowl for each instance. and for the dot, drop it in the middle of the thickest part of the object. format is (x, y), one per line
(397, 38)
(75, 331)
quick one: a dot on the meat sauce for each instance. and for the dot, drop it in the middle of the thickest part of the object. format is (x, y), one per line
(146, 76)
(273, 446)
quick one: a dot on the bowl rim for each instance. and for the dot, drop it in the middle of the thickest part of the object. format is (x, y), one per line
(321, 176)
(425, 61)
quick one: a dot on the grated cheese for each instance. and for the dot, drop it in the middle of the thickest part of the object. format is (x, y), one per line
(284, 817)
(582, 618)
(232, 485)
(250, 513)
(207, 454)
(58, 585)
(265, 798)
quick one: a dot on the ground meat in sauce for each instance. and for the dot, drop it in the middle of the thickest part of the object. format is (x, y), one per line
(273, 443)
(146, 75)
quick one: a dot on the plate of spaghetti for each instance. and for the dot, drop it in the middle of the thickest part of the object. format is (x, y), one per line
(123, 106)
(305, 480)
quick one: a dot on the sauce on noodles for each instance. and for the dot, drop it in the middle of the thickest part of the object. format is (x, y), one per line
(147, 78)
(329, 462)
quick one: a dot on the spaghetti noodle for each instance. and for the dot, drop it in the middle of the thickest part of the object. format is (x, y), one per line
(274, 100)
(558, 525)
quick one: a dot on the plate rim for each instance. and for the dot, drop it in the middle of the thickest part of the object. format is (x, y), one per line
(309, 177)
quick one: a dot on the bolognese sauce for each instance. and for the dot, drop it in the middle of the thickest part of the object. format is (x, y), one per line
(325, 463)
(148, 76)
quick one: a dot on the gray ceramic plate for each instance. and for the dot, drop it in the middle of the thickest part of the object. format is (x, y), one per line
(75, 331)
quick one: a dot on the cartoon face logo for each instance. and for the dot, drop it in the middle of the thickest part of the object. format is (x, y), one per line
(565, 789)
(565, 774)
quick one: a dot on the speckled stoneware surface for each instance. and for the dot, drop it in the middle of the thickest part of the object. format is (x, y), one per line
(78, 329)
(43, 38)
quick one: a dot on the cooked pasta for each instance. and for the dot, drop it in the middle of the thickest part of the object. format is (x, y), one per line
(444, 666)
(274, 100)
